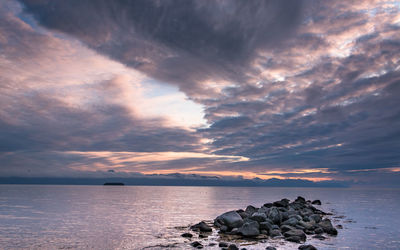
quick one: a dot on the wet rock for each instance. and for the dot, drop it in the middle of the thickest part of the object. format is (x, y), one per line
(223, 244)
(339, 226)
(327, 226)
(196, 244)
(223, 229)
(270, 248)
(309, 232)
(291, 221)
(202, 227)
(268, 205)
(300, 199)
(274, 215)
(295, 232)
(257, 216)
(233, 247)
(281, 203)
(316, 202)
(187, 235)
(243, 214)
(315, 217)
(212, 244)
(293, 239)
(319, 236)
(286, 228)
(250, 209)
(307, 247)
(307, 225)
(263, 210)
(275, 233)
(318, 230)
(249, 229)
(230, 219)
(265, 225)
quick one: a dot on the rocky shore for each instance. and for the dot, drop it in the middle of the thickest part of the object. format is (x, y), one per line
(290, 221)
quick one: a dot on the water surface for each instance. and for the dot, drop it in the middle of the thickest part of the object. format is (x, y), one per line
(134, 217)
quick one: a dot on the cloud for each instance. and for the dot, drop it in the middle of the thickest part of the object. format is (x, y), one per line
(181, 42)
(290, 86)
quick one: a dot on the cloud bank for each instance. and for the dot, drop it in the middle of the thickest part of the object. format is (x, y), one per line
(299, 89)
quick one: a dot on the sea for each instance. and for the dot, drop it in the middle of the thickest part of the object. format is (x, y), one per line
(154, 217)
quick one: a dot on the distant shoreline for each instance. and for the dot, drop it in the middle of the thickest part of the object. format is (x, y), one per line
(173, 182)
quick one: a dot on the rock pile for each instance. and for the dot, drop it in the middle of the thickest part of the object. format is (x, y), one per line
(291, 221)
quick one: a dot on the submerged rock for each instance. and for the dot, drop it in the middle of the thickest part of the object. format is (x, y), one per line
(307, 247)
(187, 235)
(202, 227)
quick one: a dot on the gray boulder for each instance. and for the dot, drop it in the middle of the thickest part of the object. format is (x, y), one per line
(265, 225)
(275, 215)
(291, 221)
(286, 228)
(257, 216)
(315, 217)
(230, 219)
(275, 233)
(293, 239)
(250, 209)
(327, 226)
(249, 229)
(295, 232)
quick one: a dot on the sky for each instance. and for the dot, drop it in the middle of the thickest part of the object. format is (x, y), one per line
(295, 90)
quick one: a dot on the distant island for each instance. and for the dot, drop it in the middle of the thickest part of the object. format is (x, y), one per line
(114, 184)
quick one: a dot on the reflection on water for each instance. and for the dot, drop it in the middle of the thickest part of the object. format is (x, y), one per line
(133, 217)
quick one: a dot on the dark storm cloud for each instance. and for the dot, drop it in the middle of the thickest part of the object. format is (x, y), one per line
(182, 42)
(291, 85)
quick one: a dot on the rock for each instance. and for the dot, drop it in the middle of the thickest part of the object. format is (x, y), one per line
(233, 247)
(307, 225)
(230, 219)
(268, 205)
(270, 248)
(281, 203)
(326, 225)
(223, 244)
(318, 230)
(250, 209)
(244, 215)
(291, 221)
(298, 217)
(187, 235)
(196, 244)
(223, 229)
(339, 226)
(263, 210)
(300, 199)
(315, 217)
(316, 202)
(275, 227)
(235, 231)
(285, 215)
(286, 228)
(265, 225)
(275, 215)
(260, 217)
(293, 239)
(202, 227)
(309, 232)
(212, 244)
(275, 233)
(249, 229)
(307, 247)
(295, 232)
(319, 236)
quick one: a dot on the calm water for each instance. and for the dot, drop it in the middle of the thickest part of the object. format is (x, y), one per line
(134, 217)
